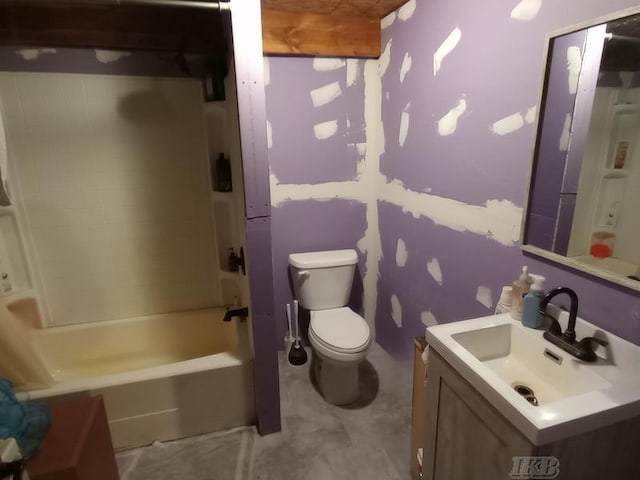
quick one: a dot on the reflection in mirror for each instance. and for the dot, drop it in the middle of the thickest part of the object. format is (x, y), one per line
(585, 184)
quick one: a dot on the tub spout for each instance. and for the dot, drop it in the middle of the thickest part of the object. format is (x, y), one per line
(242, 313)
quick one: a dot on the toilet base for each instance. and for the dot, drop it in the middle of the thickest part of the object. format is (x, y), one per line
(339, 384)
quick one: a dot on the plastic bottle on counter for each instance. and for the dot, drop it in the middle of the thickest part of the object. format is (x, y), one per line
(518, 290)
(504, 303)
(531, 304)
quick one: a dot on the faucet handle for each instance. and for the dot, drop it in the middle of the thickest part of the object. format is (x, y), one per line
(587, 341)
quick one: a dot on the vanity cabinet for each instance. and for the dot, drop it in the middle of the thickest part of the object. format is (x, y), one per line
(468, 439)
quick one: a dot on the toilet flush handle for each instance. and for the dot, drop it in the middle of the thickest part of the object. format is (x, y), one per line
(302, 274)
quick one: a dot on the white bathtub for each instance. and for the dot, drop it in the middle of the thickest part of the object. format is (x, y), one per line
(162, 376)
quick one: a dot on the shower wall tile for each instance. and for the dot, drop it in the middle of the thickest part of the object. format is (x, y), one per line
(113, 176)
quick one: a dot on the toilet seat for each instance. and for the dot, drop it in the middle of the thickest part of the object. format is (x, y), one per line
(340, 330)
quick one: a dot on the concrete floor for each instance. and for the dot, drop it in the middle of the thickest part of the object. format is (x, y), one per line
(367, 440)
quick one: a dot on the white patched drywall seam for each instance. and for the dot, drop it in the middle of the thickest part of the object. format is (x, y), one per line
(396, 310)
(269, 135)
(448, 124)
(565, 138)
(483, 295)
(110, 56)
(387, 21)
(30, 54)
(374, 134)
(404, 128)
(385, 59)
(406, 11)
(433, 267)
(402, 254)
(325, 130)
(526, 10)
(266, 67)
(498, 220)
(508, 124)
(428, 319)
(405, 67)
(445, 48)
(323, 64)
(574, 66)
(352, 71)
(530, 116)
(325, 94)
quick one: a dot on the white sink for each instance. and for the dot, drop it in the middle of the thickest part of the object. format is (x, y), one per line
(496, 353)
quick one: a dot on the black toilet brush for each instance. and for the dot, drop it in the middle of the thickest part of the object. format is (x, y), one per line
(297, 355)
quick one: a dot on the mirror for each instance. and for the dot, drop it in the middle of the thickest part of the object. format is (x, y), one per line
(583, 205)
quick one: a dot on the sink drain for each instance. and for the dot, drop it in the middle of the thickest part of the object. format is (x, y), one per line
(527, 393)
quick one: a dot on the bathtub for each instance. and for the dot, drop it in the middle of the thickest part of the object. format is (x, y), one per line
(162, 376)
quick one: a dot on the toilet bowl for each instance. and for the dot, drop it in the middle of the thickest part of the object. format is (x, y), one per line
(340, 338)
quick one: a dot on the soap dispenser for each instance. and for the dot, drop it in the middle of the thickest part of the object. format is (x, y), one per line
(531, 304)
(519, 289)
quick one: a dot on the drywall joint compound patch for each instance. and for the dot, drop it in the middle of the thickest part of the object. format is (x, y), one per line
(428, 319)
(396, 311)
(325, 130)
(401, 253)
(508, 124)
(526, 10)
(326, 94)
(405, 67)
(574, 66)
(445, 48)
(30, 54)
(327, 64)
(483, 295)
(433, 267)
(110, 56)
(406, 11)
(448, 124)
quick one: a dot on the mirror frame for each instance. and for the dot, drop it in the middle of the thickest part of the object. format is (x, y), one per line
(537, 133)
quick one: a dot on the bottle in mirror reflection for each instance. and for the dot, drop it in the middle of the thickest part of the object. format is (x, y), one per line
(221, 174)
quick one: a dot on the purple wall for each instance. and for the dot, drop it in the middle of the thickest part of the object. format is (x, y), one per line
(87, 60)
(496, 68)
(296, 156)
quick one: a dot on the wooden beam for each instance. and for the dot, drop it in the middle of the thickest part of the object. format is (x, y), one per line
(288, 33)
(112, 27)
(353, 8)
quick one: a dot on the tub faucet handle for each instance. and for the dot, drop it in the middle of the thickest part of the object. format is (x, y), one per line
(241, 313)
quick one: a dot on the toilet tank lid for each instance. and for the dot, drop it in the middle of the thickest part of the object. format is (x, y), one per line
(330, 258)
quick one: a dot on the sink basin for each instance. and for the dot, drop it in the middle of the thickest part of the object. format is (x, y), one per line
(518, 358)
(545, 392)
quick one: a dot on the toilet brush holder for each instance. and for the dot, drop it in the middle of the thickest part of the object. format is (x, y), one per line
(289, 340)
(297, 355)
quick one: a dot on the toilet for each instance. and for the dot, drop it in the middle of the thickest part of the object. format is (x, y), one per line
(339, 337)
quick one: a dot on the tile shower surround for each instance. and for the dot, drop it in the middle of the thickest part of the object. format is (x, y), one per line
(113, 177)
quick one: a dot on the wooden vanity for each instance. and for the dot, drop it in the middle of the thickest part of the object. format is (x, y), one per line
(467, 438)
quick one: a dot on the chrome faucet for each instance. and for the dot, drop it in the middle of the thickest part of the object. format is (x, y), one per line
(583, 349)
(241, 313)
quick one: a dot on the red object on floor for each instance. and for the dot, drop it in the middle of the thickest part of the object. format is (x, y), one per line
(600, 250)
(78, 446)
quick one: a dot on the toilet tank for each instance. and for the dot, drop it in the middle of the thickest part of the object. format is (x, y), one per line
(323, 280)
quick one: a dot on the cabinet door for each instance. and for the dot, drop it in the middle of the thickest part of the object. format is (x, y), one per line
(466, 438)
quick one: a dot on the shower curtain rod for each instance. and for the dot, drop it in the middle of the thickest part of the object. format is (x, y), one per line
(203, 4)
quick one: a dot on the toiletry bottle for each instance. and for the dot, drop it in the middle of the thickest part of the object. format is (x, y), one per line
(504, 303)
(518, 290)
(531, 304)
(223, 174)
